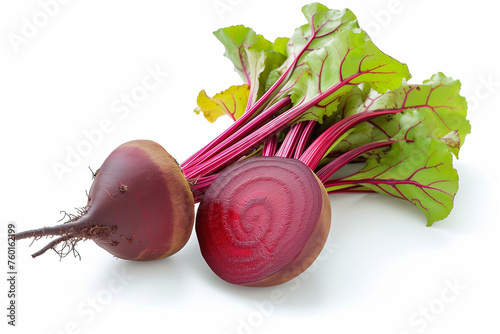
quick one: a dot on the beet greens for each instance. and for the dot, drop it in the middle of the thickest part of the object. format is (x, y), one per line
(328, 97)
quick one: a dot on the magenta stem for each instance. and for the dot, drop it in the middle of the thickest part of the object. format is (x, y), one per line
(304, 139)
(327, 171)
(291, 140)
(257, 122)
(353, 189)
(270, 146)
(200, 185)
(251, 110)
(316, 151)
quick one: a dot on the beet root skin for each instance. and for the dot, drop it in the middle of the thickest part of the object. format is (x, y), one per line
(142, 191)
(140, 206)
(263, 221)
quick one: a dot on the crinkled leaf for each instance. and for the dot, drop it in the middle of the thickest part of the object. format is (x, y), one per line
(275, 61)
(231, 102)
(280, 44)
(349, 59)
(413, 124)
(420, 172)
(320, 29)
(253, 56)
(348, 102)
(256, 65)
(431, 109)
(237, 40)
(272, 60)
(356, 97)
(322, 24)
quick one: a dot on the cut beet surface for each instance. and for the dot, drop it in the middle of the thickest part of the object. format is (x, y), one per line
(263, 221)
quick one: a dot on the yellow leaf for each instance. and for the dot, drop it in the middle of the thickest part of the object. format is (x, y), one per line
(231, 102)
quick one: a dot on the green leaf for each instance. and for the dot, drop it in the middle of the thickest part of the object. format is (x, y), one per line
(334, 145)
(420, 172)
(272, 61)
(231, 102)
(322, 25)
(237, 40)
(253, 56)
(349, 59)
(256, 65)
(348, 102)
(354, 99)
(280, 45)
(431, 109)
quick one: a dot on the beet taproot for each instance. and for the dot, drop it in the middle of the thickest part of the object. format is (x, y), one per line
(263, 221)
(140, 206)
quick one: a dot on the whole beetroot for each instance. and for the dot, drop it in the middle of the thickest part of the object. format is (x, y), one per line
(140, 207)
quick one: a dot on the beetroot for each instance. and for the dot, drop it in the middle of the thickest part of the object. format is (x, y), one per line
(327, 97)
(140, 206)
(263, 221)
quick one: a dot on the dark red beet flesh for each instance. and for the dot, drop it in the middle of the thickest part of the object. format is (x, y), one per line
(263, 221)
(140, 206)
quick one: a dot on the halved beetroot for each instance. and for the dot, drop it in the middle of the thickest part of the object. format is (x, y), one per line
(263, 221)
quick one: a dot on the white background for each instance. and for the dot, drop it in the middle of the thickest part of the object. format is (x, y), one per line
(382, 271)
